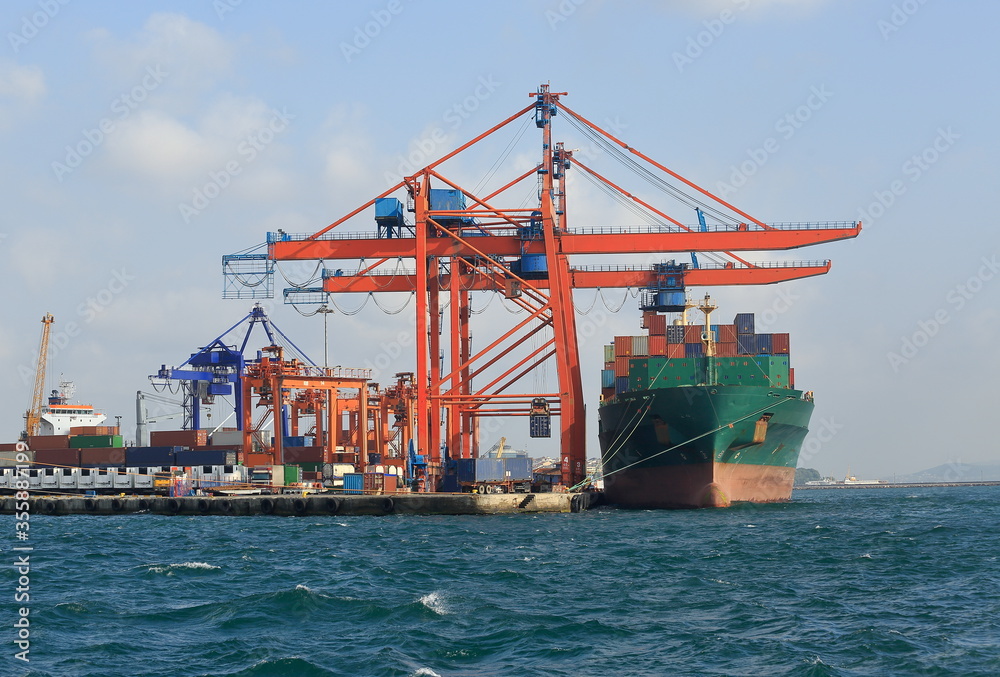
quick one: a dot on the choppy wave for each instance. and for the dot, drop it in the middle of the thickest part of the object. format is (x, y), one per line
(886, 585)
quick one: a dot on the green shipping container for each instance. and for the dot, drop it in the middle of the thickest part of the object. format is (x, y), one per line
(609, 353)
(311, 467)
(96, 441)
(293, 474)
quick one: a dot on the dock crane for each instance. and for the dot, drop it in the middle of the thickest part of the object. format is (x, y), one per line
(460, 242)
(33, 417)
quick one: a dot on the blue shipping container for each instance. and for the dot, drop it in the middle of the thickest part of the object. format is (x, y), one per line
(540, 425)
(621, 385)
(205, 457)
(694, 349)
(354, 483)
(607, 378)
(165, 456)
(763, 344)
(744, 323)
(472, 470)
(517, 468)
(746, 344)
(449, 484)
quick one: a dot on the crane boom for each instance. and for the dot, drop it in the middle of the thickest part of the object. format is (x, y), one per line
(33, 417)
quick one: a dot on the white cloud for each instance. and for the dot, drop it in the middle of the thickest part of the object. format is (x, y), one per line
(24, 84)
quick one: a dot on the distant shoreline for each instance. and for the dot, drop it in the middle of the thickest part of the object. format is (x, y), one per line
(902, 485)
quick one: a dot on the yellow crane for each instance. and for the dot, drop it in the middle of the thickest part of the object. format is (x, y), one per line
(33, 417)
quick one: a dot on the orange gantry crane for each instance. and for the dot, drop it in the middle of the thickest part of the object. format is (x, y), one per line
(460, 242)
(33, 417)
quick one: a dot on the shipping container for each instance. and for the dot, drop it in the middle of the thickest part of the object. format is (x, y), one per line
(607, 378)
(607, 393)
(726, 349)
(692, 333)
(657, 325)
(657, 346)
(609, 353)
(58, 458)
(292, 475)
(727, 333)
(746, 344)
(623, 346)
(95, 441)
(311, 468)
(227, 438)
(379, 483)
(9, 459)
(621, 385)
(517, 468)
(11, 446)
(39, 442)
(354, 483)
(178, 438)
(779, 344)
(136, 456)
(744, 323)
(204, 457)
(94, 430)
(622, 366)
(102, 456)
(299, 455)
(763, 344)
(640, 346)
(694, 349)
(675, 333)
(675, 350)
(791, 377)
(473, 470)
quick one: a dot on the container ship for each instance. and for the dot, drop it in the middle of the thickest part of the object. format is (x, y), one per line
(700, 415)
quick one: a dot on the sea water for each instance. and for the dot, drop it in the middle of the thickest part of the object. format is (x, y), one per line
(836, 582)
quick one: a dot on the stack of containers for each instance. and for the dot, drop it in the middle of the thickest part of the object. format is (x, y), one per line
(147, 456)
(746, 341)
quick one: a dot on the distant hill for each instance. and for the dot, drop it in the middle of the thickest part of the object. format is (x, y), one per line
(955, 472)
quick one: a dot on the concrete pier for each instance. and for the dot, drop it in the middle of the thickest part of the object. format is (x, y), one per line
(312, 504)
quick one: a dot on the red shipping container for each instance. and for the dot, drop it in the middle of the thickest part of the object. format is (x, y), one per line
(657, 325)
(9, 447)
(727, 333)
(39, 442)
(623, 346)
(791, 377)
(692, 333)
(296, 455)
(94, 430)
(726, 349)
(103, 456)
(178, 438)
(657, 345)
(66, 458)
(607, 393)
(779, 344)
(622, 366)
(646, 319)
(676, 350)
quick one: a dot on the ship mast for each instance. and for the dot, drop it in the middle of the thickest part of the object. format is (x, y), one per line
(708, 339)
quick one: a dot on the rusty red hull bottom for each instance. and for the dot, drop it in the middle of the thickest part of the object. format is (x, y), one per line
(699, 485)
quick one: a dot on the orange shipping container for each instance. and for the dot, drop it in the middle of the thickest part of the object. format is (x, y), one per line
(657, 325)
(675, 350)
(178, 438)
(779, 344)
(622, 365)
(623, 346)
(657, 345)
(726, 349)
(39, 442)
(727, 333)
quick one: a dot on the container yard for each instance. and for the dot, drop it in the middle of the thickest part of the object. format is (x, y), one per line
(313, 431)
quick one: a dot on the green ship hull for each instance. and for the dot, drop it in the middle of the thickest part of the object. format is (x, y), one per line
(702, 445)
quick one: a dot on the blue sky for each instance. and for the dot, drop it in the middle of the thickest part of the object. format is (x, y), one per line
(113, 116)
